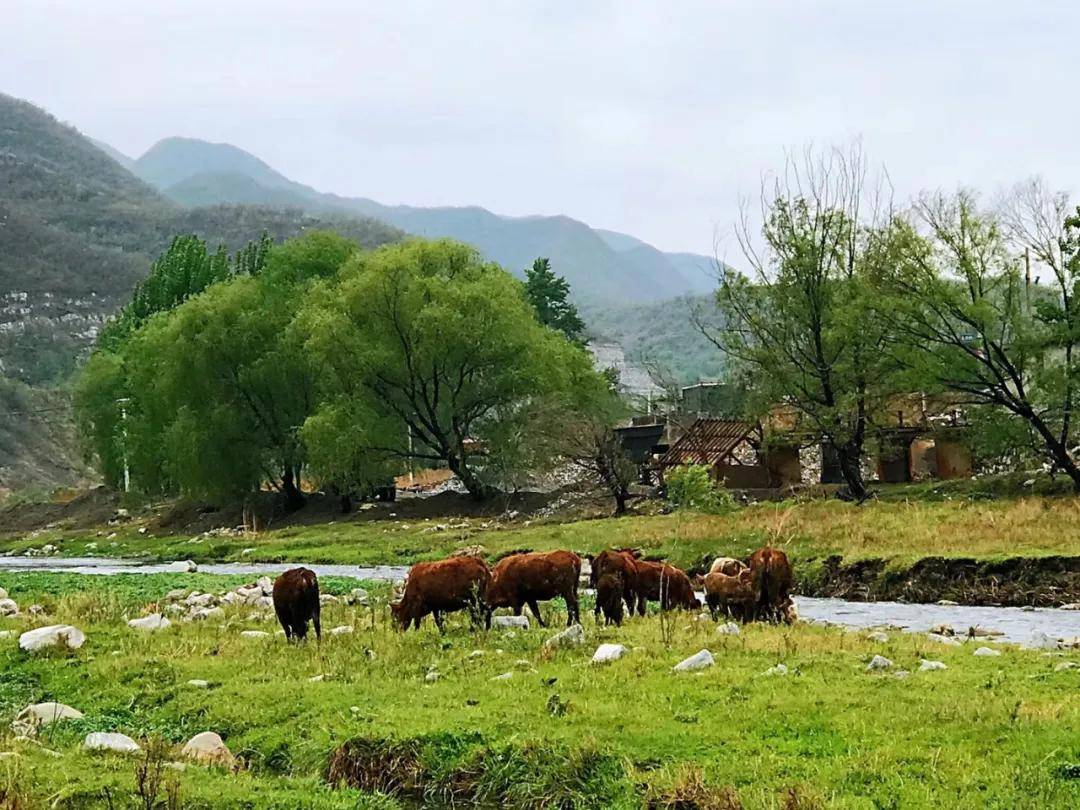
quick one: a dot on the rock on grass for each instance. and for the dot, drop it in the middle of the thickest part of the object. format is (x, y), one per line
(110, 741)
(698, 661)
(55, 635)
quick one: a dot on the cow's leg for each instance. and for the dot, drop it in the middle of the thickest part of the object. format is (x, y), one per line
(285, 620)
(642, 604)
(535, 608)
(300, 628)
(573, 612)
(316, 620)
(440, 622)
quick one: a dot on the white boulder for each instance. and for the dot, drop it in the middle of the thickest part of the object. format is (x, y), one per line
(182, 567)
(8, 607)
(517, 622)
(931, 666)
(504, 677)
(572, 636)
(608, 652)
(728, 629)
(878, 662)
(55, 635)
(877, 636)
(948, 641)
(207, 748)
(779, 669)
(698, 661)
(203, 613)
(33, 717)
(343, 630)
(151, 623)
(254, 634)
(110, 741)
(986, 652)
(357, 596)
(198, 683)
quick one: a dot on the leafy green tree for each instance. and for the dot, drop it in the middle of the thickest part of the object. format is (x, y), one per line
(798, 330)
(549, 296)
(446, 347)
(970, 320)
(215, 391)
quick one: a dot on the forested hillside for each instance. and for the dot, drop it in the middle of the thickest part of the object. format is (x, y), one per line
(603, 267)
(662, 336)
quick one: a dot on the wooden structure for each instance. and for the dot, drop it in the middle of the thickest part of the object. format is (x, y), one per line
(731, 449)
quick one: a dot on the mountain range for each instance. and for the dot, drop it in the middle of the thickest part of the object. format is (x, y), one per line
(602, 266)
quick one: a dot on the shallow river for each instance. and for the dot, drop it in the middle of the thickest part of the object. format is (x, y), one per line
(1018, 625)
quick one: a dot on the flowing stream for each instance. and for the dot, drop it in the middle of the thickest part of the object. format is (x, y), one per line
(1027, 626)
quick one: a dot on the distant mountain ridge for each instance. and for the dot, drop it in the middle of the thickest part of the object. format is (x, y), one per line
(601, 266)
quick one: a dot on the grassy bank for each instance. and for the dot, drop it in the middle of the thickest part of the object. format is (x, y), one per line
(986, 732)
(903, 530)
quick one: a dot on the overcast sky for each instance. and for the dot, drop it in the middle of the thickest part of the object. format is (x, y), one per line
(645, 117)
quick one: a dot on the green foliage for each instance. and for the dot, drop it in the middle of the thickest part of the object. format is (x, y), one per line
(971, 323)
(549, 295)
(799, 330)
(257, 375)
(427, 335)
(690, 486)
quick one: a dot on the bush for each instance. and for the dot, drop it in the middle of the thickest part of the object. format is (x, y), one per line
(690, 487)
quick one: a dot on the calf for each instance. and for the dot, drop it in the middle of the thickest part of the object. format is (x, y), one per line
(525, 579)
(727, 565)
(622, 562)
(440, 587)
(665, 584)
(609, 596)
(296, 602)
(735, 595)
(773, 579)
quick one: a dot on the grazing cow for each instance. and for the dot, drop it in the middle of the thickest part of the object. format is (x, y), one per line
(440, 587)
(621, 561)
(734, 594)
(525, 579)
(773, 579)
(296, 602)
(727, 565)
(609, 596)
(665, 584)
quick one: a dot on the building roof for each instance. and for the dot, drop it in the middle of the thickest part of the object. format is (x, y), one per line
(708, 441)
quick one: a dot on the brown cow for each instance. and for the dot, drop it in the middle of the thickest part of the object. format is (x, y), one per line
(773, 579)
(665, 584)
(621, 561)
(296, 602)
(525, 579)
(609, 596)
(735, 595)
(444, 586)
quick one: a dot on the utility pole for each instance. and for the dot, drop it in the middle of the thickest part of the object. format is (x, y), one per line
(123, 441)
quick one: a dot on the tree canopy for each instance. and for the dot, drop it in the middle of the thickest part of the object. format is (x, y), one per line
(549, 295)
(333, 364)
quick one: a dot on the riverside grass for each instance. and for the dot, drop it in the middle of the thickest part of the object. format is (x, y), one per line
(900, 529)
(987, 732)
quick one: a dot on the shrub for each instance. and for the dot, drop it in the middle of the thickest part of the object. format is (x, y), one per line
(690, 487)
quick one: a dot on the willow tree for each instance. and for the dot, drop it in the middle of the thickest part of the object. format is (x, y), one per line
(797, 327)
(428, 335)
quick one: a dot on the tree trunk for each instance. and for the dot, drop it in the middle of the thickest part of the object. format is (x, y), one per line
(850, 458)
(476, 488)
(294, 498)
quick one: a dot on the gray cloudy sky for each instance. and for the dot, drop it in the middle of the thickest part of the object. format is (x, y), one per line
(646, 117)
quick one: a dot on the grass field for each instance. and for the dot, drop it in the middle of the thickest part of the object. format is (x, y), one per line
(899, 529)
(987, 732)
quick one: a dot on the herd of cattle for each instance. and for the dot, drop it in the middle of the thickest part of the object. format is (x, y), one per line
(757, 589)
